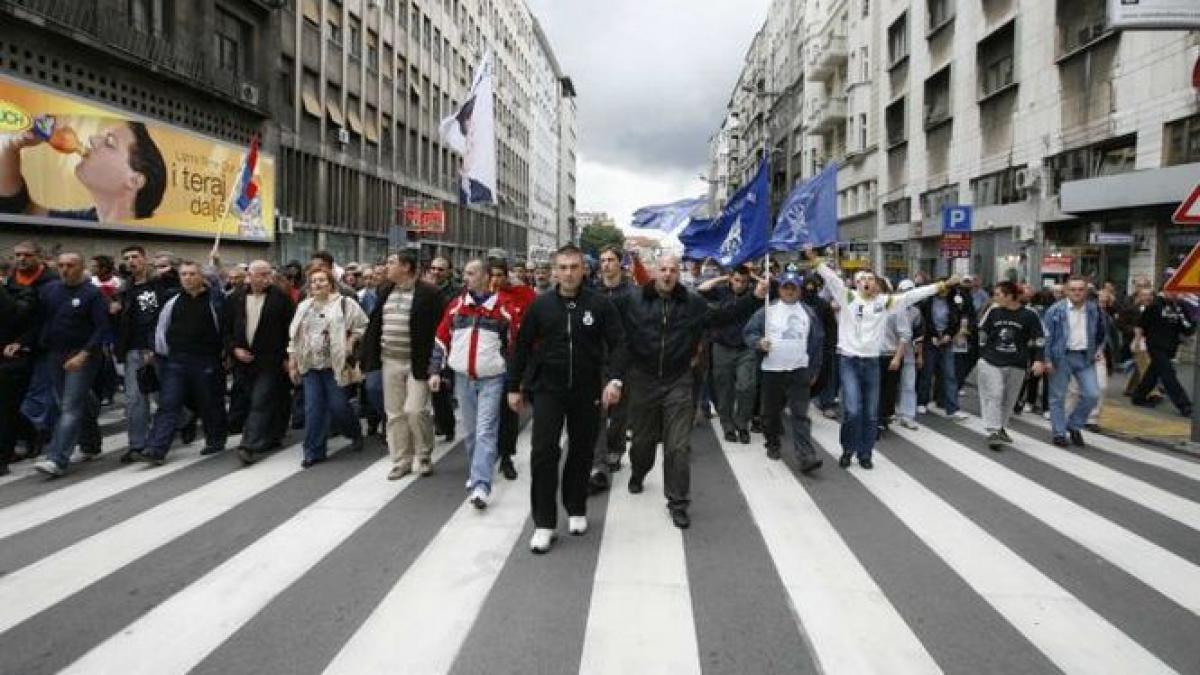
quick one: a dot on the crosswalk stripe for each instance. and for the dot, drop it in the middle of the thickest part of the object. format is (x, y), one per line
(1158, 568)
(640, 618)
(1128, 450)
(1154, 498)
(420, 625)
(179, 633)
(64, 573)
(1068, 632)
(835, 599)
(38, 510)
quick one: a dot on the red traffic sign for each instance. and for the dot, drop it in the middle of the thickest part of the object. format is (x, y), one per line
(956, 245)
(1186, 279)
(1188, 212)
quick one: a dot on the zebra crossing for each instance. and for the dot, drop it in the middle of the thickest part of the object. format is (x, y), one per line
(946, 557)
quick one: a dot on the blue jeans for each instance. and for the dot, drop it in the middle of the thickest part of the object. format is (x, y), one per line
(39, 405)
(76, 403)
(860, 404)
(199, 380)
(373, 392)
(480, 401)
(325, 403)
(939, 360)
(137, 404)
(1084, 369)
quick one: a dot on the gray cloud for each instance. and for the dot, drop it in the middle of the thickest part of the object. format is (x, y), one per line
(653, 76)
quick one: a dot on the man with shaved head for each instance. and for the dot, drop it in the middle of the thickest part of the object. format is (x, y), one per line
(259, 317)
(664, 323)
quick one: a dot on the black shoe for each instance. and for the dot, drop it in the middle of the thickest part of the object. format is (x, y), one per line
(1076, 437)
(731, 436)
(90, 451)
(372, 428)
(845, 459)
(211, 451)
(247, 456)
(756, 426)
(597, 482)
(1146, 402)
(1060, 441)
(4, 471)
(743, 436)
(235, 429)
(356, 445)
(449, 435)
(272, 445)
(1037, 410)
(810, 465)
(152, 460)
(994, 441)
(507, 469)
(131, 455)
(187, 434)
(1092, 427)
(297, 423)
(635, 485)
(1004, 436)
(311, 462)
(866, 464)
(680, 518)
(773, 452)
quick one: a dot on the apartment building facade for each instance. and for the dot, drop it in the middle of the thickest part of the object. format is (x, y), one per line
(1071, 142)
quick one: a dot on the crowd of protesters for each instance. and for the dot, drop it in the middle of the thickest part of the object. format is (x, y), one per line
(620, 355)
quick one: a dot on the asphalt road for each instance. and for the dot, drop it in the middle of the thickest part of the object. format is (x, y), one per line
(946, 557)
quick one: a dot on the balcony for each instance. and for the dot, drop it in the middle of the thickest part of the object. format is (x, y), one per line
(115, 30)
(828, 52)
(831, 113)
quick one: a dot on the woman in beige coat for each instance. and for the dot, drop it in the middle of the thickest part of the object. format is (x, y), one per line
(324, 331)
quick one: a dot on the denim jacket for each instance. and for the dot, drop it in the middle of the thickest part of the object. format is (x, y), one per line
(1057, 324)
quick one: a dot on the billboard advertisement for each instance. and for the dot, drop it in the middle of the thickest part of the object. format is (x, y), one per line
(68, 161)
(1161, 14)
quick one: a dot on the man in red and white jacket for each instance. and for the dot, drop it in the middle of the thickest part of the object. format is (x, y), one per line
(472, 339)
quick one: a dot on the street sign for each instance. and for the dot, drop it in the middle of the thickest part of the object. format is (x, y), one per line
(1188, 212)
(957, 218)
(1187, 277)
(1056, 264)
(956, 245)
(1110, 239)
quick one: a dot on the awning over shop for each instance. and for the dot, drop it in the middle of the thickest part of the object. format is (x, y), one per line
(1150, 187)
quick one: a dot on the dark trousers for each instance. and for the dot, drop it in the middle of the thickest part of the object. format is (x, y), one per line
(1034, 391)
(201, 378)
(14, 380)
(790, 387)
(1161, 369)
(240, 394)
(889, 386)
(662, 410)
(268, 407)
(443, 406)
(579, 409)
(610, 445)
(510, 428)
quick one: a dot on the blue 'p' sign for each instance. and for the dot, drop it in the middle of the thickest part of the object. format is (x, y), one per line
(957, 218)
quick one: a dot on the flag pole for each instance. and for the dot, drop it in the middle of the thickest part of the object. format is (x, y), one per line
(228, 208)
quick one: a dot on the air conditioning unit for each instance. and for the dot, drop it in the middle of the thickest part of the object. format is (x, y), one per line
(1028, 179)
(343, 136)
(1022, 232)
(248, 93)
(284, 225)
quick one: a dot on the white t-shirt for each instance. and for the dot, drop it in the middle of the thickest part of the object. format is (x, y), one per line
(861, 320)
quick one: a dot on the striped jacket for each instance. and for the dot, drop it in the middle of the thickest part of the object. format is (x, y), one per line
(473, 337)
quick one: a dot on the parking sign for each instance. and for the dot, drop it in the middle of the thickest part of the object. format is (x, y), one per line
(957, 218)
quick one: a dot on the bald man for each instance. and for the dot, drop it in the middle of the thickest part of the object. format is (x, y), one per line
(259, 317)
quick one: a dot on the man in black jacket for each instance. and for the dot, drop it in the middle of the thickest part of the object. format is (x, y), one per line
(1162, 326)
(664, 323)
(259, 317)
(734, 365)
(399, 341)
(610, 446)
(948, 318)
(443, 398)
(575, 336)
(19, 307)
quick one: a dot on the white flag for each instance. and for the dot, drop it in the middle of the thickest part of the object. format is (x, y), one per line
(472, 133)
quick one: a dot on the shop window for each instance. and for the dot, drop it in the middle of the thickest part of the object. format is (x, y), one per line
(1107, 158)
(1181, 141)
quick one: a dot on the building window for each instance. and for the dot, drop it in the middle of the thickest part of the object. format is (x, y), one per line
(287, 90)
(864, 63)
(1107, 158)
(355, 37)
(373, 50)
(932, 201)
(937, 98)
(995, 60)
(147, 16)
(333, 14)
(866, 7)
(897, 211)
(897, 123)
(862, 132)
(898, 41)
(940, 13)
(230, 39)
(1181, 141)
(997, 188)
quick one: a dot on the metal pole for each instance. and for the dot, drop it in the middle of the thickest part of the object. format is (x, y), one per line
(1195, 388)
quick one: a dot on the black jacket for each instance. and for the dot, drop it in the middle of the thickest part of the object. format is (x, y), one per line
(271, 337)
(132, 303)
(19, 307)
(729, 335)
(1164, 323)
(427, 307)
(961, 308)
(568, 343)
(662, 334)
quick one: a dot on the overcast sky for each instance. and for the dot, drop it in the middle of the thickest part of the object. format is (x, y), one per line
(653, 78)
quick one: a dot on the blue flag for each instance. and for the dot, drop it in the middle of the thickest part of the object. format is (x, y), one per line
(740, 232)
(667, 217)
(809, 216)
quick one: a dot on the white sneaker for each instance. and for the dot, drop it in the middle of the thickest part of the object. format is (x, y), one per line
(49, 468)
(577, 525)
(543, 538)
(479, 497)
(958, 416)
(1046, 415)
(921, 410)
(908, 424)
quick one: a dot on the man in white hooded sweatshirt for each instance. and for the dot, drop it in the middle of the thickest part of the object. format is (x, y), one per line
(862, 318)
